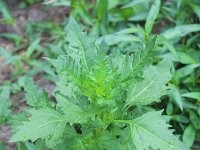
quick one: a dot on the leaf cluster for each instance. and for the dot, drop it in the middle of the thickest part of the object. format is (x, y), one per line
(98, 95)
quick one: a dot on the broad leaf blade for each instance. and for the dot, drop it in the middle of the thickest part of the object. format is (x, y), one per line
(152, 87)
(150, 131)
(43, 124)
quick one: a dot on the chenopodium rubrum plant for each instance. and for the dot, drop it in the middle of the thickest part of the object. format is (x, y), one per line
(101, 100)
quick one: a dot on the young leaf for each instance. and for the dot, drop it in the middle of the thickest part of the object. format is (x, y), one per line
(143, 58)
(133, 66)
(150, 131)
(43, 124)
(78, 40)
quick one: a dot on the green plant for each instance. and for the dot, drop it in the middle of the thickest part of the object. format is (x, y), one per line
(101, 100)
(7, 17)
(181, 12)
(122, 26)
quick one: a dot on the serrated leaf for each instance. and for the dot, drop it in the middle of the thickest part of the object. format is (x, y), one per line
(67, 66)
(152, 87)
(43, 124)
(141, 59)
(132, 67)
(78, 40)
(153, 129)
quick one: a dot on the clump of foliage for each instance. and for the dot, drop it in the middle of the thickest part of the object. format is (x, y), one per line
(101, 100)
(122, 26)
